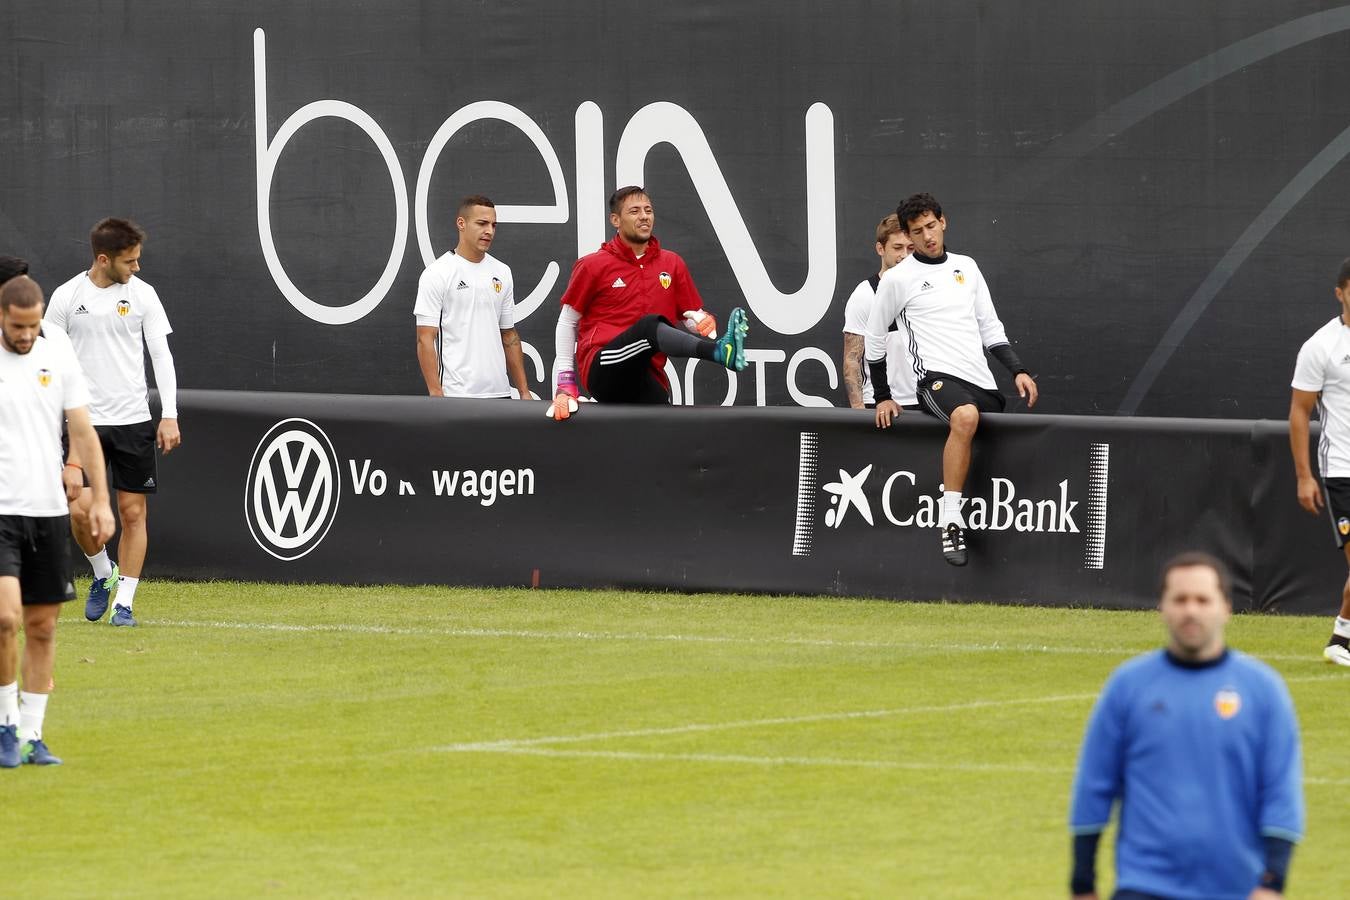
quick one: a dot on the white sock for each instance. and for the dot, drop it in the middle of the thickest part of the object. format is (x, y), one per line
(126, 590)
(949, 510)
(9, 704)
(1342, 628)
(31, 713)
(102, 565)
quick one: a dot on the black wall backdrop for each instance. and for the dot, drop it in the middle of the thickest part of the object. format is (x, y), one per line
(1153, 189)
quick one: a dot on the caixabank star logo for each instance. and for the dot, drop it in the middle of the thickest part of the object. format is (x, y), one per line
(1055, 505)
(293, 488)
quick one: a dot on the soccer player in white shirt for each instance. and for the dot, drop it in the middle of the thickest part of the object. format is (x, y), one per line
(1322, 381)
(892, 245)
(41, 386)
(942, 299)
(467, 342)
(113, 318)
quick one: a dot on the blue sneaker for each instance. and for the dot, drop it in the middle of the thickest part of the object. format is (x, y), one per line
(122, 616)
(9, 746)
(731, 345)
(35, 753)
(100, 592)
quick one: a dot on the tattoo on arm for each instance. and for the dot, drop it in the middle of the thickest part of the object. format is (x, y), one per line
(853, 374)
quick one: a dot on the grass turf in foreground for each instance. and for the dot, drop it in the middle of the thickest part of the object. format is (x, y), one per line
(315, 741)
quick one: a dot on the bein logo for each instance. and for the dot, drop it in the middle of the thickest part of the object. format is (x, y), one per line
(293, 487)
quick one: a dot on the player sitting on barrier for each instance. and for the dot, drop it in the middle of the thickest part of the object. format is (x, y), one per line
(943, 301)
(618, 316)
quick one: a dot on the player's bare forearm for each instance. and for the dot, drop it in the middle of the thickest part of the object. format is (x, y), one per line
(84, 440)
(1301, 405)
(853, 362)
(427, 360)
(515, 362)
(1300, 411)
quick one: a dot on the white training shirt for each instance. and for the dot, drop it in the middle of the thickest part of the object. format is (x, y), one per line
(109, 327)
(899, 366)
(472, 304)
(950, 316)
(1324, 367)
(36, 388)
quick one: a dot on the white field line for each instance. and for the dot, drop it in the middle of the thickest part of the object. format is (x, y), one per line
(822, 761)
(529, 634)
(732, 758)
(704, 727)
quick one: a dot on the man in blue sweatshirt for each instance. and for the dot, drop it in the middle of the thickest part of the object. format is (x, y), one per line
(1199, 745)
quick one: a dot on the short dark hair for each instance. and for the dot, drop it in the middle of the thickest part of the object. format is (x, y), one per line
(20, 291)
(1199, 558)
(1344, 275)
(114, 236)
(11, 266)
(468, 203)
(914, 207)
(616, 199)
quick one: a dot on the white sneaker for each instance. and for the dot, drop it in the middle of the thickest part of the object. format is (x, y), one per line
(1337, 654)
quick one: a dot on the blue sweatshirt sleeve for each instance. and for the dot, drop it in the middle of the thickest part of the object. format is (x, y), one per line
(1097, 783)
(1281, 780)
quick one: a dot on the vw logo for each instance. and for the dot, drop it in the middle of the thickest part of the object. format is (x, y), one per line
(291, 495)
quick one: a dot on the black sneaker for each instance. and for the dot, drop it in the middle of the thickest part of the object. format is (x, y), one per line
(954, 545)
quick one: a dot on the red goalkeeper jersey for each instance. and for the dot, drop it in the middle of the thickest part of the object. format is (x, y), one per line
(611, 289)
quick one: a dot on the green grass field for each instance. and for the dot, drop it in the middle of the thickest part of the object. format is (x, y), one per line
(257, 740)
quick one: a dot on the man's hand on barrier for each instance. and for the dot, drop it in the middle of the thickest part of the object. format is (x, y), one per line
(887, 410)
(1309, 494)
(562, 407)
(565, 400)
(701, 323)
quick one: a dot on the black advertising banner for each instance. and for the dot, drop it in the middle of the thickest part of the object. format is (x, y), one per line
(1061, 510)
(1147, 198)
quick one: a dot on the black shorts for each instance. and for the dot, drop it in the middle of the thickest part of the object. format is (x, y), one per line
(129, 451)
(940, 394)
(1336, 491)
(622, 371)
(36, 550)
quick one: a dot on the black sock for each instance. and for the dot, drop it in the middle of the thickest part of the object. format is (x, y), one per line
(677, 342)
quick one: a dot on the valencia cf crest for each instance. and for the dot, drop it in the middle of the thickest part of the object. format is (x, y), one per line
(496, 284)
(44, 377)
(123, 307)
(1343, 526)
(959, 276)
(664, 278)
(1227, 703)
(937, 385)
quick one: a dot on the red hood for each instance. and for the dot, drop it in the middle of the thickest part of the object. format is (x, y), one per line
(616, 247)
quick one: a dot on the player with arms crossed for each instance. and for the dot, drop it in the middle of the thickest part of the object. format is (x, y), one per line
(943, 301)
(892, 245)
(618, 316)
(112, 318)
(1322, 382)
(41, 386)
(466, 304)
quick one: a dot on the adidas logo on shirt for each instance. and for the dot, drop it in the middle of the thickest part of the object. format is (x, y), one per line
(462, 286)
(81, 311)
(925, 287)
(618, 282)
(1345, 359)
